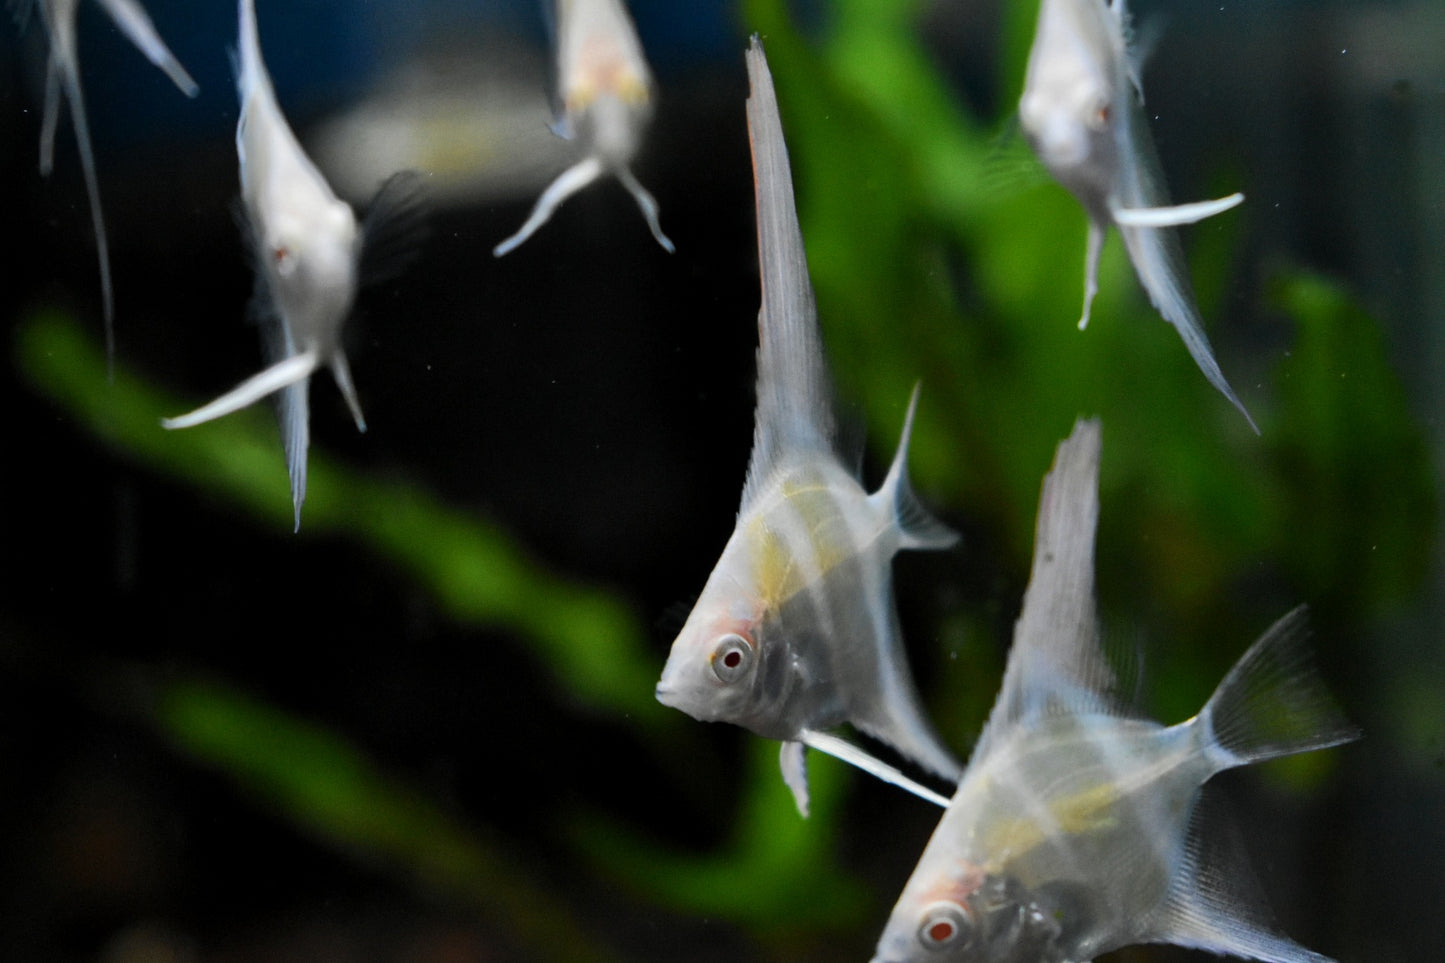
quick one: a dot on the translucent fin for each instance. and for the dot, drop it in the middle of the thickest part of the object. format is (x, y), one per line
(1056, 664)
(1176, 214)
(63, 76)
(569, 182)
(1214, 900)
(795, 399)
(794, 761)
(136, 24)
(1155, 252)
(394, 229)
(854, 756)
(1273, 702)
(293, 414)
(280, 375)
(1093, 246)
(648, 205)
(341, 371)
(918, 528)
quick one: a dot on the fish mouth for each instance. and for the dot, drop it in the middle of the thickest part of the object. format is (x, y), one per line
(665, 695)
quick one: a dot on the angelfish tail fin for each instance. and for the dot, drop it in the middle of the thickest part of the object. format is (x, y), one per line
(916, 525)
(1273, 702)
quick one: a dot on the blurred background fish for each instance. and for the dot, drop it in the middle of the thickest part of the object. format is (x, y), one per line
(63, 79)
(1081, 112)
(1078, 826)
(606, 90)
(308, 253)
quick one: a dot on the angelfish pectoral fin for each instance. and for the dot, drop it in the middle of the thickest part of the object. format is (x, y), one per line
(1176, 214)
(851, 754)
(569, 182)
(280, 375)
(794, 760)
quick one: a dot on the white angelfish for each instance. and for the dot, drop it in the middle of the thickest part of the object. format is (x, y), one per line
(1079, 828)
(63, 78)
(1081, 111)
(795, 632)
(606, 91)
(309, 251)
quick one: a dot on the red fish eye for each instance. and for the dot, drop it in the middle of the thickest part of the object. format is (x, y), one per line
(731, 657)
(946, 926)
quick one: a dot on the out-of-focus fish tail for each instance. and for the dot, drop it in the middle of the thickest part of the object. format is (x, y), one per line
(917, 527)
(1273, 702)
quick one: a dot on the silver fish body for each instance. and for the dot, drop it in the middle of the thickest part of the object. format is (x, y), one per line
(1078, 828)
(606, 89)
(1081, 112)
(63, 78)
(795, 631)
(307, 248)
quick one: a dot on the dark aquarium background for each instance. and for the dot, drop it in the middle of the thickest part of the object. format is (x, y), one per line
(423, 728)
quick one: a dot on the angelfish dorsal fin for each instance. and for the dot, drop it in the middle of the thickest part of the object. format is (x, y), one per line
(795, 399)
(1056, 663)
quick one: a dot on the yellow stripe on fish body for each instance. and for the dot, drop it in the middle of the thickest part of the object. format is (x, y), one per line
(799, 535)
(1092, 810)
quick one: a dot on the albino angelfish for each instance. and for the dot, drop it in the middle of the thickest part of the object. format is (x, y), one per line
(795, 631)
(309, 253)
(1078, 827)
(1081, 112)
(63, 77)
(606, 92)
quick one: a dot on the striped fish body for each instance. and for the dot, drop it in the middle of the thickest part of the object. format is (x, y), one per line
(795, 631)
(804, 582)
(1081, 822)
(1079, 828)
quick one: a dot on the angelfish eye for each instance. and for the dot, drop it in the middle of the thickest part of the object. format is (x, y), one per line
(1103, 113)
(731, 658)
(946, 925)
